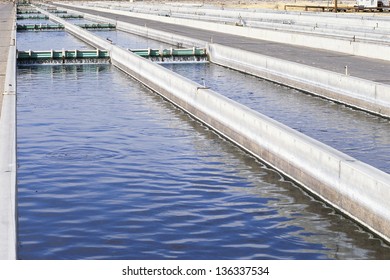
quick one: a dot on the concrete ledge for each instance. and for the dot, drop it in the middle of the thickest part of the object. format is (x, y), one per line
(355, 92)
(377, 51)
(355, 188)
(8, 216)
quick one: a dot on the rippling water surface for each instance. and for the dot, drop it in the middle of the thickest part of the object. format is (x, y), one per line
(361, 135)
(109, 170)
(130, 41)
(30, 40)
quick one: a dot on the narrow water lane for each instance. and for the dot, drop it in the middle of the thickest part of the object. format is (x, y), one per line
(356, 133)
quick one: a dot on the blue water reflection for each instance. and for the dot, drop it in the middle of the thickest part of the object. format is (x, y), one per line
(109, 170)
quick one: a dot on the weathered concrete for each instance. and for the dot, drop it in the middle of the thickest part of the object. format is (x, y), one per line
(7, 132)
(353, 187)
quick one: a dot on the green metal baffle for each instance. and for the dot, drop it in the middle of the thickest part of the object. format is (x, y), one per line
(39, 27)
(169, 52)
(48, 27)
(20, 12)
(70, 16)
(172, 55)
(21, 17)
(58, 12)
(63, 56)
(100, 26)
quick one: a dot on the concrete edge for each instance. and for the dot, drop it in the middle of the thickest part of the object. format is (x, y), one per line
(357, 189)
(345, 46)
(8, 192)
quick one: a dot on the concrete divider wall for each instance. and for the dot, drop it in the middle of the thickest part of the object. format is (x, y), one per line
(8, 211)
(382, 93)
(355, 188)
(145, 71)
(80, 33)
(356, 92)
(321, 169)
(345, 46)
(364, 184)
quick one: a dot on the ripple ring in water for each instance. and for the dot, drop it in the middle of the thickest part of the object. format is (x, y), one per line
(82, 153)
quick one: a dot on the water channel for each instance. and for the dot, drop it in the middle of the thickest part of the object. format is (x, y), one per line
(361, 135)
(109, 170)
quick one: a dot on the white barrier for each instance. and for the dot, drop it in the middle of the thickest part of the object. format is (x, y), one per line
(353, 187)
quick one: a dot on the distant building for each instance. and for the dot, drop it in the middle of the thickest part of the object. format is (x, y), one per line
(373, 3)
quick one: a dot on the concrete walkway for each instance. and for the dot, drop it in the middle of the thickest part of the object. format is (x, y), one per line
(7, 140)
(365, 68)
(5, 37)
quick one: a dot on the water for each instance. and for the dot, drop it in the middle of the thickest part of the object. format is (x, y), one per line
(109, 170)
(79, 21)
(58, 40)
(359, 134)
(130, 41)
(62, 40)
(34, 21)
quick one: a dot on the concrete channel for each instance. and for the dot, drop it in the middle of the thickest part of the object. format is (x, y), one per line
(8, 216)
(358, 190)
(354, 188)
(353, 87)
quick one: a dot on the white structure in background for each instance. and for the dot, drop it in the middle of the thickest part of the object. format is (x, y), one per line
(373, 3)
